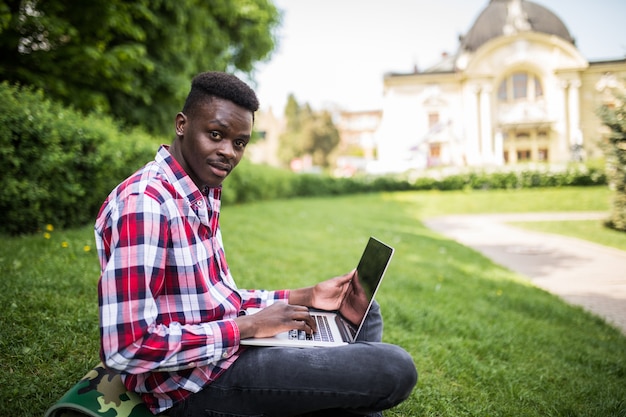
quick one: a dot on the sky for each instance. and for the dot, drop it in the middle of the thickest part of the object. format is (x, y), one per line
(333, 54)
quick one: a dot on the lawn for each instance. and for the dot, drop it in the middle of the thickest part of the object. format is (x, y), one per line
(591, 230)
(485, 341)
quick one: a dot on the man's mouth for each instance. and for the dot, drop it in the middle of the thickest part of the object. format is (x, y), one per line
(220, 169)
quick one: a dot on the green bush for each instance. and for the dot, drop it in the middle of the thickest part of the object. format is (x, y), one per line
(57, 164)
(250, 182)
(615, 150)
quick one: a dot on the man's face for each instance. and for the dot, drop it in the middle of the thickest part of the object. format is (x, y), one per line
(211, 140)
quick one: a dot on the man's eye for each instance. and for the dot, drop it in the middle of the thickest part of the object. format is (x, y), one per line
(215, 134)
(241, 143)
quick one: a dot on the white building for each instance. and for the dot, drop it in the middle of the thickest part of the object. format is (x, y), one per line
(517, 90)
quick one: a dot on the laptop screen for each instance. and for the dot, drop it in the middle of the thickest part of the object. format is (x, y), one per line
(365, 282)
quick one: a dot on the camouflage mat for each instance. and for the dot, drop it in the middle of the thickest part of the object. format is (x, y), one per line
(99, 394)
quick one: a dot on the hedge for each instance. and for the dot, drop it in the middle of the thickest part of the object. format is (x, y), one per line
(58, 165)
(257, 182)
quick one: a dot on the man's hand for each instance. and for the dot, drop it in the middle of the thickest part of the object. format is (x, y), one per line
(274, 319)
(355, 303)
(329, 294)
(326, 295)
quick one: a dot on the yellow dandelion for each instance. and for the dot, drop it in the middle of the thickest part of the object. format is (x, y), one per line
(49, 227)
(46, 235)
(86, 248)
(65, 244)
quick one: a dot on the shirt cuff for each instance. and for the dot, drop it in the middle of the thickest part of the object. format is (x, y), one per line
(281, 295)
(231, 338)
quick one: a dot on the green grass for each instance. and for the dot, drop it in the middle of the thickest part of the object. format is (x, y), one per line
(435, 203)
(485, 341)
(591, 230)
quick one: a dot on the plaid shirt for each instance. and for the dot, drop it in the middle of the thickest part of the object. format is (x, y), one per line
(167, 298)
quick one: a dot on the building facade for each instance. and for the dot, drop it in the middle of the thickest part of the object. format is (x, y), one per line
(517, 90)
(266, 138)
(357, 146)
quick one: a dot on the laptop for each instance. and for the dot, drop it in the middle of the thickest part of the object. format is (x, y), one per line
(337, 328)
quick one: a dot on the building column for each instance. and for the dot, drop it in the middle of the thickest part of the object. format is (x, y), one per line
(471, 117)
(479, 144)
(534, 145)
(498, 147)
(512, 146)
(575, 135)
(486, 131)
(562, 125)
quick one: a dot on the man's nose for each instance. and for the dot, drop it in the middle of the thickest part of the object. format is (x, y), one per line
(227, 149)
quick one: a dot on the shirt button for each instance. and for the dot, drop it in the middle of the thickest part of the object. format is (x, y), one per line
(225, 355)
(199, 203)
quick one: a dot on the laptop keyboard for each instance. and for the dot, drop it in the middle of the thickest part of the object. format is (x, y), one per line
(323, 333)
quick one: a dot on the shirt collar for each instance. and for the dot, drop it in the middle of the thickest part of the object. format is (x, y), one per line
(185, 186)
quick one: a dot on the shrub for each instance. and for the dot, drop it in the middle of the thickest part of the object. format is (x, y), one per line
(615, 150)
(250, 182)
(57, 164)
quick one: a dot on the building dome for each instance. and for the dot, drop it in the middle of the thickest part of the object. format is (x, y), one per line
(507, 17)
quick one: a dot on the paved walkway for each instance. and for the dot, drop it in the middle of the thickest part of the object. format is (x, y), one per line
(582, 273)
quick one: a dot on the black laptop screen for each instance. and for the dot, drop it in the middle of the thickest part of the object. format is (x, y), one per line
(368, 275)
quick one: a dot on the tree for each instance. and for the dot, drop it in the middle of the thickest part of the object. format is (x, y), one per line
(307, 133)
(615, 151)
(290, 146)
(130, 58)
(320, 138)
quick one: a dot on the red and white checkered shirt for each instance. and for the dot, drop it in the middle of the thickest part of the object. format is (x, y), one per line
(167, 298)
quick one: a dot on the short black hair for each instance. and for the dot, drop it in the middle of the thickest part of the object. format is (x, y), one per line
(207, 85)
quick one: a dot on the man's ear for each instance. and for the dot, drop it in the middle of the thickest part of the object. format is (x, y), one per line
(181, 122)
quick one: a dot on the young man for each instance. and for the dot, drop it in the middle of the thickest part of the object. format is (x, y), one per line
(171, 317)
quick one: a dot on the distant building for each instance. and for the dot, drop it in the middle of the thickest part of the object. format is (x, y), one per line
(517, 90)
(267, 130)
(357, 146)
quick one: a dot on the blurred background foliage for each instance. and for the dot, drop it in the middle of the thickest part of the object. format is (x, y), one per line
(58, 165)
(89, 89)
(614, 117)
(132, 59)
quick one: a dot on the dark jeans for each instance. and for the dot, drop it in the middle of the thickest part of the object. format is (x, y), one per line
(361, 378)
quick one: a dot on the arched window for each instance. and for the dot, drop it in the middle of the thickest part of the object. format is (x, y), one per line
(520, 86)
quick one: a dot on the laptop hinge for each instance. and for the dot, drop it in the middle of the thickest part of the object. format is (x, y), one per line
(347, 330)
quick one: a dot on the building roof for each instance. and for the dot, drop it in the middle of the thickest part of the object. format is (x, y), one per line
(504, 17)
(499, 18)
